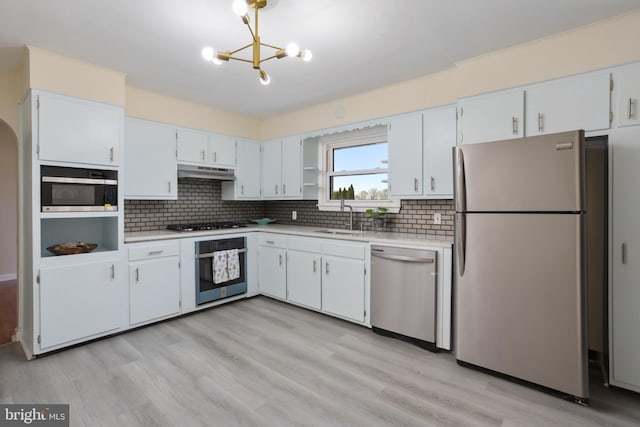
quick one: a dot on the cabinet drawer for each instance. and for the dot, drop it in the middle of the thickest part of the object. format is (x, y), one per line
(275, 240)
(306, 245)
(155, 250)
(347, 250)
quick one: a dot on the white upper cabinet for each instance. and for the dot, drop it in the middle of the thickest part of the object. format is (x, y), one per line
(272, 169)
(282, 168)
(491, 117)
(628, 83)
(78, 131)
(439, 133)
(209, 149)
(292, 167)
(420, 158)
(247, 183)
(223, 150)
(405, 155)
(145, 178)
(578, 102)
(193, 146)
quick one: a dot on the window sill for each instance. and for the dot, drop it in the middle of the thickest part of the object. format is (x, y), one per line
(361, 205)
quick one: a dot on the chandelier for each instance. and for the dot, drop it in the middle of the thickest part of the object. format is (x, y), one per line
(241, 8)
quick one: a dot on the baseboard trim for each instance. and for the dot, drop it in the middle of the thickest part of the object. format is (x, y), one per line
(6, 277)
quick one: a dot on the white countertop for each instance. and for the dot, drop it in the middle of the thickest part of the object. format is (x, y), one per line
(368, 236)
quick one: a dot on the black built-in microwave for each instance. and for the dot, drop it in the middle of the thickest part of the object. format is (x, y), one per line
(65, 189)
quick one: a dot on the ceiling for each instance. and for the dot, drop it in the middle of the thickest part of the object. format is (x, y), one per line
(357, 45)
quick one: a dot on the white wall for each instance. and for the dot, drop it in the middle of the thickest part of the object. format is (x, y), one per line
(8, 202)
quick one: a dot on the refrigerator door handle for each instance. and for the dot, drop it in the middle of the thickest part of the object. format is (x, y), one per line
(461, 190)
(461, 241)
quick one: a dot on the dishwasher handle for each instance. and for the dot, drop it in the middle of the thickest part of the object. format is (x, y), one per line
(380, 254)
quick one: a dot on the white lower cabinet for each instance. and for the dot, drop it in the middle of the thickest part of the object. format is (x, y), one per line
(303, 278)
(154, 282)
(272, 267)
(321, 274)
(343, 287)
(78, 301)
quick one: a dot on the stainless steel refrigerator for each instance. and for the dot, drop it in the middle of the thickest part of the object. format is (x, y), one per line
(520, 260)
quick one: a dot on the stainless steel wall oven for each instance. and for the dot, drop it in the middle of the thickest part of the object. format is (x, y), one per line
(220, 269)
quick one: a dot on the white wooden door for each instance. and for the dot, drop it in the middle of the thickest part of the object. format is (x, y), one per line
(223, 150)
(303, 278)
(439, 132)
(78, 131)
(248, 169)
(154, 289)
(492, 117)
(272, 169)
(343, 287)
(405, 155)
(193, 146)
(272, 267)
(150, 170)
(579, 102)
(78, 301)
(624, 312)
(629, 95)
(292, 167)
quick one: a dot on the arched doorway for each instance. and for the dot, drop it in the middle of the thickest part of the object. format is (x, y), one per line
(8, 232)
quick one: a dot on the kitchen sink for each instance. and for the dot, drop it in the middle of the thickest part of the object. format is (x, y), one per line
(339, 231)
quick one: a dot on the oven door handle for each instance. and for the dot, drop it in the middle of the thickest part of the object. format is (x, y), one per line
(211, 254)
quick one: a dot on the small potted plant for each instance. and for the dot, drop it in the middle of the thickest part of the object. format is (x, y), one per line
(377, 215)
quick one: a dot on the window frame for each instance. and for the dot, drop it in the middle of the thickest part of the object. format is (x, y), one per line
(360, 137)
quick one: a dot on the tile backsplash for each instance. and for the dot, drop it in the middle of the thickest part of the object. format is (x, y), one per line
(415, 216)
(199, 201)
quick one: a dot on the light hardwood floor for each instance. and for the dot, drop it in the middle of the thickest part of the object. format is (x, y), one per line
(264, 363)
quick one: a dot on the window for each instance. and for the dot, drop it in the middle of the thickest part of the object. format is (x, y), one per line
(355, 170)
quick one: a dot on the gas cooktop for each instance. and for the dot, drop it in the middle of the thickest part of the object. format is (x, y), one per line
(205, 226)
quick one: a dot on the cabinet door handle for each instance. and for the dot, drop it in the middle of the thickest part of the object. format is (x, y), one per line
(156, 252)
(241, 189)
(215, 156)
(202, 154)
(415, 184)
(630, 109)
(276, 188)
(315, 266)
(111, 153)
(624, 253)
(514, 125)
(280, 256)
(271, 242)
(169, 187)
(113, 271)
(284, 188)
(540, 122)
(326, 268)
(137, 275)
(433, 184)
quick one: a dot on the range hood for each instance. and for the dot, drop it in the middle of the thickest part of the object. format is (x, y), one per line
(203, 172)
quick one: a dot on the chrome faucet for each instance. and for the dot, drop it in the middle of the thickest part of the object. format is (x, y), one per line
(342, 206)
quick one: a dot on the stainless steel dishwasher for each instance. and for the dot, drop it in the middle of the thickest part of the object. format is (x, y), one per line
(403, 294)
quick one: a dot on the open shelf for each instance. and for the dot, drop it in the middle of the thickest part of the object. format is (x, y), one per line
(102, 231)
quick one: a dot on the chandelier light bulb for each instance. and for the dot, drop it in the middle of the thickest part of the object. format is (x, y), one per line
(306, 55)
(240, 7)
(209, 54)
(264, 78)
(292, 49)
